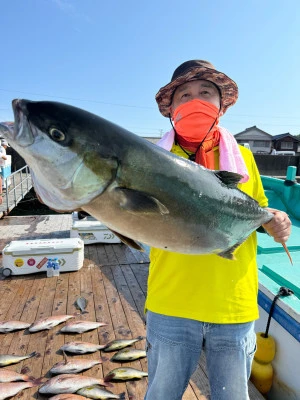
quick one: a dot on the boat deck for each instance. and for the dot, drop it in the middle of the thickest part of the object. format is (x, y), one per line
(113, 280)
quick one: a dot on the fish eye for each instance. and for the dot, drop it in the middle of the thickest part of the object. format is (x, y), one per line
(56, 134)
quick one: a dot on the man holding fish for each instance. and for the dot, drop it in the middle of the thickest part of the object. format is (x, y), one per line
(202, 287)
(208, 302)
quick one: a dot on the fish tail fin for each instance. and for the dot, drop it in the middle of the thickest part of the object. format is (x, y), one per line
(76, 314)
(34, 353)
(109, 377)
(84, 312)
(141, 337)
(287, 252)
(37, 381)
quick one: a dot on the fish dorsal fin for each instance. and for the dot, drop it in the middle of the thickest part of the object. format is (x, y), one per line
(139, 202)
(65, 357)
(130, 242)
(230, 179)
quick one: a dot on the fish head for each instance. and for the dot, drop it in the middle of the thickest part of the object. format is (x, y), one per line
(62, 146)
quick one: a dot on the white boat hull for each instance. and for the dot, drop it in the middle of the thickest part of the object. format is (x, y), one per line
(286, 364)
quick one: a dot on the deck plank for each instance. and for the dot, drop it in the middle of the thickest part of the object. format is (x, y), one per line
(114, 281)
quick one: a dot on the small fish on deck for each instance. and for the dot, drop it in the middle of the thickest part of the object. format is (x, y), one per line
(8, 359)
(49, 322)
(124, 374)
(81, 326)
(128, 355)
(7, 375)
(67, 396)
(119, 344)
(81, 304)
(69, 383)
(74, 365)
(11, 326)
(81, 347)
(10, 389)
(96, 392)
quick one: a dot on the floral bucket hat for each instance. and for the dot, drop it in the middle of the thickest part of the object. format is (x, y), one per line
(192, 71)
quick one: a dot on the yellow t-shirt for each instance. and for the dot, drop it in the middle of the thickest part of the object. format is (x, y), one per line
(209, 288)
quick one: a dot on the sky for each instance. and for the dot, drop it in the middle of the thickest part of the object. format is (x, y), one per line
(112, 57)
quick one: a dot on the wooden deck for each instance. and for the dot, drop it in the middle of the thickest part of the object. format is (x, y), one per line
(113, 280)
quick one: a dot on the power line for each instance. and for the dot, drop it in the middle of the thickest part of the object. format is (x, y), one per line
(77, 99)
(144, 107)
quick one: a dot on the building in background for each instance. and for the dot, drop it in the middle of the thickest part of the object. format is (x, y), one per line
(259, 141)
(286, 144)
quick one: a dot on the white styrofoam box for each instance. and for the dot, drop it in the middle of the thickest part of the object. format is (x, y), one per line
(30, 256)
(93, 232)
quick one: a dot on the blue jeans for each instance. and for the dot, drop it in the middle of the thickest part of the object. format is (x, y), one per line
(174, 346)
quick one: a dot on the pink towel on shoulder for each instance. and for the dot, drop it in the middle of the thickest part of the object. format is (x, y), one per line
(230, 155)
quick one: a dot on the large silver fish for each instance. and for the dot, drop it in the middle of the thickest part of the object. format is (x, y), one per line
(69, 383)
(138, 190)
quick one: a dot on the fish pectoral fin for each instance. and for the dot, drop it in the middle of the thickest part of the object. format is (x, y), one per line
(230, 179)
(130, 242)
(139, 202)
(228, 254)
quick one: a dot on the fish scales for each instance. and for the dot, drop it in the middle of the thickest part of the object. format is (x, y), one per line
(138, 190)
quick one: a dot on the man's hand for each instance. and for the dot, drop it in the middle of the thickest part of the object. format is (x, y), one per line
(279, 227)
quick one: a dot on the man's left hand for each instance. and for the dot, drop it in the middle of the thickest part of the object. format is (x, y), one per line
(279, 227)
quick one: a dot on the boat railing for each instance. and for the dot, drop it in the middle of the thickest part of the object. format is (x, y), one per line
(16, 185)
